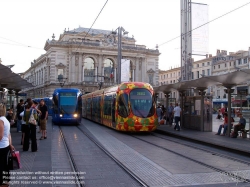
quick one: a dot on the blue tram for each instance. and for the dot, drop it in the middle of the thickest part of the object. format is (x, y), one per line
(67, 106)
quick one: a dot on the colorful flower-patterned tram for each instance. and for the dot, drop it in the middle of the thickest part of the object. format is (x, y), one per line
(127, 107)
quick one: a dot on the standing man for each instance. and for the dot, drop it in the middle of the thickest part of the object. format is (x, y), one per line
(19, 110)
(170, 113)
(177, 117)
(43, 119)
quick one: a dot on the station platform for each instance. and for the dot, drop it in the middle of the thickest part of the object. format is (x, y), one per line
(240, 145)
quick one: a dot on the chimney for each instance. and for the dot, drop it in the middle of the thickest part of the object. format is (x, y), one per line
(210, 55)
(218, 52)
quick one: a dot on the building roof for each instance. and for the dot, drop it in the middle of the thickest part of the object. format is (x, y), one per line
(92, 31)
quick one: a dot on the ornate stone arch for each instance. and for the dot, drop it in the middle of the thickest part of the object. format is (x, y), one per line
(113, 59)
(90, 56)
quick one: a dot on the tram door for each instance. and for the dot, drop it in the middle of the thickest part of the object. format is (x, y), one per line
(113, 110)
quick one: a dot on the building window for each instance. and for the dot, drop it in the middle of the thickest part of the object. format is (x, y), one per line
(245, 60)
(225, 64)
(197, 65)
(203, 72)
(192, 75)
(171, 82)
(234, 62)
(171, 75)
(174, 81)
(208, 72)
(203, 64)
(89, 70)
(230, 63)
(198, 74)
(218, 66)
(167, 75)
(239, 62)
(60, 71)
(208, 63)
(214, 67)
(218, 93)
(167, 82)
(179, 73)
(164, 76)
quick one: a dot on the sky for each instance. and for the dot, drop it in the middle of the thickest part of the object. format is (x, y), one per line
(27, 24)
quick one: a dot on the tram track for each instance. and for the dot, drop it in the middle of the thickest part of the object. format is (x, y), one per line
(203, 149)
(227, 173)
(127, 170)
(79, 182)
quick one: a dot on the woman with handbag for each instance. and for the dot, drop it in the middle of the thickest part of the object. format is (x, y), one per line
(30, 116)
(5, 146)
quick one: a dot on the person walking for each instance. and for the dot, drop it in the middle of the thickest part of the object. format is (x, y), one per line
(5, 146)
(177, 117)
(19, 110)
(170, 113)
(43, 119)
(29, 129)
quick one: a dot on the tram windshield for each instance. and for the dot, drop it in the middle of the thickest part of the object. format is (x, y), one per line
(68, 102)
(141, 102)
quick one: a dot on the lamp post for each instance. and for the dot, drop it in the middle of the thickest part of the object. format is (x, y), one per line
(61, 80)
(119, 56)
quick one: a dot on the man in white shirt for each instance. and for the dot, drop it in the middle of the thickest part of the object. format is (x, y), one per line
(177, 117)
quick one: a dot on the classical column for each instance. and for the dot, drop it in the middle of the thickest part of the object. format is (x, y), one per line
(103, 73)
(83, 72)
(80, 69)
(115, 75)
(95, 73)
(72, 69)
(133, 74)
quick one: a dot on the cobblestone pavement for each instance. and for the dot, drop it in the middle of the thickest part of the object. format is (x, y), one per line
(158, 167)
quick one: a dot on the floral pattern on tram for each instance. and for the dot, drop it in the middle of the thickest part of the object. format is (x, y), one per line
(133, 122)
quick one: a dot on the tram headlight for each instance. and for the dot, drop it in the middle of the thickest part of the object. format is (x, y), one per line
(75, 115)
(61, 115)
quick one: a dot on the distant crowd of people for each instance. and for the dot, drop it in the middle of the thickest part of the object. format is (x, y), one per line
(28, 115)
(169, 114)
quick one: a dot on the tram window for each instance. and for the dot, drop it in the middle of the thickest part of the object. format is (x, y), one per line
(123, 105)
(107, 105)
(142, 102)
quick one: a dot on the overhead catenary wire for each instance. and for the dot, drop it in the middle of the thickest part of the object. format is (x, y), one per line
(92, 25)
(206, 23)
(18, 43)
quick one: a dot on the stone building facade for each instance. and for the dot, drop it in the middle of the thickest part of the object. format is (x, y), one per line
(84, 60)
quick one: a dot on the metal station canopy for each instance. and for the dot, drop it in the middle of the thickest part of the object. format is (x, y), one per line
(228, 80)
(11, 80)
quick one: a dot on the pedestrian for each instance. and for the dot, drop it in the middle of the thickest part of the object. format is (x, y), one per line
(29, 129)
(19, 110)
(239, 126)
(224, 125)
(170, 113)
(159, 113)
(43, 119)
(10, 116)
(5, 146)
(177, 117)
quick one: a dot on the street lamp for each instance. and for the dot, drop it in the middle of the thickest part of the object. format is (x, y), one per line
(61, 80)
(119, 56)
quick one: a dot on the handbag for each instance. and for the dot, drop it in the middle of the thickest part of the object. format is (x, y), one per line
(13, 160)
(32, 119)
